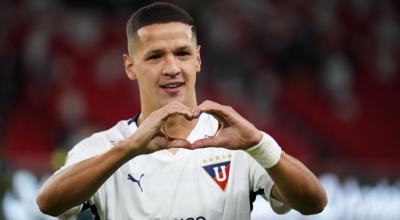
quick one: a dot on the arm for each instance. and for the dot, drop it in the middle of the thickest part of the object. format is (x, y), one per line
(295, 185)
(77, 183)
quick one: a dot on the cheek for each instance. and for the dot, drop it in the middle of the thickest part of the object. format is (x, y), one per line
(149, 76)
(190, 68)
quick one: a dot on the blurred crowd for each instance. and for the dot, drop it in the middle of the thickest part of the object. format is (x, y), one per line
(321, 76)
(347, 200)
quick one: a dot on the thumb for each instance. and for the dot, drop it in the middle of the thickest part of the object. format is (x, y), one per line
(206, 142)
(178, 143)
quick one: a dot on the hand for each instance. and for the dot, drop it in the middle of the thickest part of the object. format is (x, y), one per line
(236, 133)
(148, 137)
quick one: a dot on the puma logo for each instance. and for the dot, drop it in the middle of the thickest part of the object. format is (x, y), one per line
(131, 178)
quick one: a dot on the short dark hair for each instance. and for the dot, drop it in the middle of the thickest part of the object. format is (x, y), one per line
(158, 13)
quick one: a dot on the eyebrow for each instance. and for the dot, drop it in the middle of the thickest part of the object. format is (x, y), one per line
(186, 47)
(161, 51)
(155, 51)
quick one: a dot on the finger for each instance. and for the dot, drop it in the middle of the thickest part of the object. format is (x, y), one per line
(177, 108)
(206, 142)
(176, 104)
(163, 142)
(178, 143)
(196, 113)
(177, 111)
(221, 111)
(192, 112)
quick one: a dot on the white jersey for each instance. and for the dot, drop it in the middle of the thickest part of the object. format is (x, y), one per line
(209, 183)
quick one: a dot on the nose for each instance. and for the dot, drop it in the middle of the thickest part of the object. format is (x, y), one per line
(171, 67)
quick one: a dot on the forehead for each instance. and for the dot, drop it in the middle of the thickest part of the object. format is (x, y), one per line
(157, 35)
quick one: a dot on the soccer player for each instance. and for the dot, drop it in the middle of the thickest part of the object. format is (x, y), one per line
(176, 159)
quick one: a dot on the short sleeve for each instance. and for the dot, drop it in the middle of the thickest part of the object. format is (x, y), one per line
(83, 150)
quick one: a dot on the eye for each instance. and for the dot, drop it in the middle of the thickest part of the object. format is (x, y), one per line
(154, 57)
(183, 53)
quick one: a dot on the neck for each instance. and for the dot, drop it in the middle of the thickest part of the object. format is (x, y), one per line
(178, 126)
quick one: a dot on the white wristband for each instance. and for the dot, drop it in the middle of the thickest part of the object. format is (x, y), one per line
(267, 153)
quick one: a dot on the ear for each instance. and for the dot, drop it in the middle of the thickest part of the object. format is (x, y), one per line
(198, 67)
(129, 70)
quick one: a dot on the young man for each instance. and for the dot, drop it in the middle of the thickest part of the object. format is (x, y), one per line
(176, 159)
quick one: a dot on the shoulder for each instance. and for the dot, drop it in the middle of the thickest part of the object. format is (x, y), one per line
(100, 142)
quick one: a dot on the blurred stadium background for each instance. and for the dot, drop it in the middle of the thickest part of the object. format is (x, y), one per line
(322, 77)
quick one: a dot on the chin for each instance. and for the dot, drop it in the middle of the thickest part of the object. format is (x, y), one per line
(171, 99)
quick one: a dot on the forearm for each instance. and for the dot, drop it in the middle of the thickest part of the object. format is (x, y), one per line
(77, 183)
(297, 186)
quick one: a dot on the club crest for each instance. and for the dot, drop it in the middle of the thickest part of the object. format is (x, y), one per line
(219, 172)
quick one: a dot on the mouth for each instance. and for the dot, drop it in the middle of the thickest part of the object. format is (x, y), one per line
(172, 87)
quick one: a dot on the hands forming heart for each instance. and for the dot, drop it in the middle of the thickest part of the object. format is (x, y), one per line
(156, 133)
(173, 120)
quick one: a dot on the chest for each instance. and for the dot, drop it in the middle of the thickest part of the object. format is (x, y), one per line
(189, 186)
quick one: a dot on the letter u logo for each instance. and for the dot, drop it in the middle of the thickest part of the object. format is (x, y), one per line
(217, 174)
